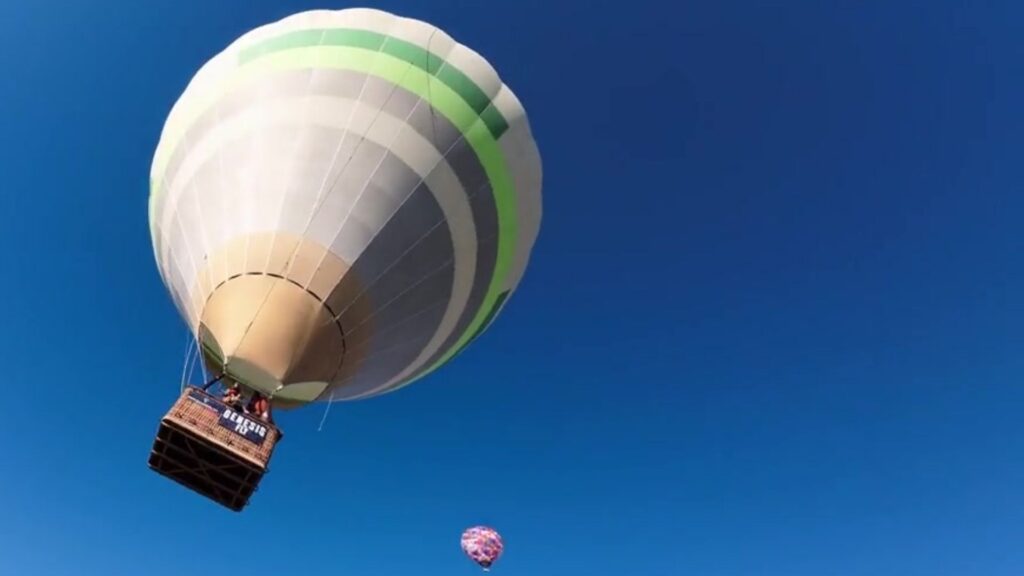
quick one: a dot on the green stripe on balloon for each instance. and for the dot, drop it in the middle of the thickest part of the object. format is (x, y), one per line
(407, 51)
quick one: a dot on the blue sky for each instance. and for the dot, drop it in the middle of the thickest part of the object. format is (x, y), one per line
(772, 325)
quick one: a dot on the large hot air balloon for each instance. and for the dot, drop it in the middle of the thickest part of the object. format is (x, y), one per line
(341, 201)
(483, 545)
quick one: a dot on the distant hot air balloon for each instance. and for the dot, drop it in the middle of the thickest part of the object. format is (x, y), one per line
(341, 201)
(483, 545)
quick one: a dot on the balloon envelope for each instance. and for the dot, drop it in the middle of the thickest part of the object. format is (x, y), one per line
(483, 545)
(341, 201)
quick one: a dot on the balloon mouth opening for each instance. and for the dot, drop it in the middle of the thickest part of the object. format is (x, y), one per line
(239, 373)
(272, 336)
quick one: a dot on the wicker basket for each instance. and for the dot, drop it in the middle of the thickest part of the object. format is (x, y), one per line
(212, 449)
(204, 414)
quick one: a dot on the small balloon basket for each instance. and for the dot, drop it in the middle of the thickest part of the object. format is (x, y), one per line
(212, 449)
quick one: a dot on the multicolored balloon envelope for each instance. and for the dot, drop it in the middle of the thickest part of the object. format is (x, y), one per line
(483, 545)
(341, 202)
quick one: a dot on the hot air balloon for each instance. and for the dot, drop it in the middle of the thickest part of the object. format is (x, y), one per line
(341, 201)
(483, 545)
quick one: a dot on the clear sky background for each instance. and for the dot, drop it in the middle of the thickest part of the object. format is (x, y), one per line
(772, 325)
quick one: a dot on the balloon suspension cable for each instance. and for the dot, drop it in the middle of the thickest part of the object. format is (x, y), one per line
(188, 358)
(326, 411)
(430, 92)
(321, 193)
(431, 76)
(201, 358)
(321, 198)
(207, 386)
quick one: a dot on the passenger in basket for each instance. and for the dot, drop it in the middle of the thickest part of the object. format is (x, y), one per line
(233, 396)
(259, 406)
